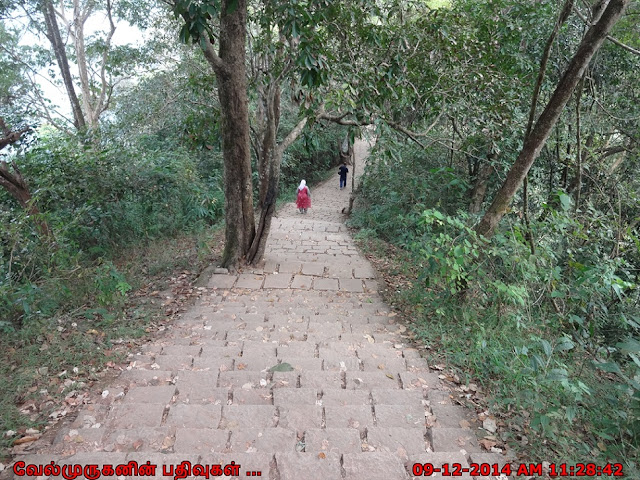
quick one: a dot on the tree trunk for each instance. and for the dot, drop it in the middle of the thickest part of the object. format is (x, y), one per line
(15, 184)
(94, 102)
(232, 91)
(77, 33)
(352, 195)
(590, 44)
(53, 34)
(243, 242)
(269, 163)
(479, 190)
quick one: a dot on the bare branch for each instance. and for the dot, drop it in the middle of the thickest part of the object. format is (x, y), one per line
(609, 37)
(292, 136)
(212, 57)
(418, 134)
(604, 109)
(407, 132)
(340, 119)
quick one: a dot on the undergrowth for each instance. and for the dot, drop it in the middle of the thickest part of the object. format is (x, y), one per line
(551, 337)
(49, 358)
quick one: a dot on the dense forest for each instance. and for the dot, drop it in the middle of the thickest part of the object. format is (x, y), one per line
(503, 175)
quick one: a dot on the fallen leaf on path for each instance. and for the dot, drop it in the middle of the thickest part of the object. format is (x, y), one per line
(27, 439)
(487, 444)
(281, 367)
(167, 443)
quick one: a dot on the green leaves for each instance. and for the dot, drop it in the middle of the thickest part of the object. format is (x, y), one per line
(609, 367)
(282, 367)
(197, 16)
(565, 201)
(630, 345)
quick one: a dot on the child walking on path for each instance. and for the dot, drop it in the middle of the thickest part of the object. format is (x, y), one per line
(304, 197)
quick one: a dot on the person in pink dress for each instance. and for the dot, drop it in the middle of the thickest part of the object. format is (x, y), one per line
(304, 197)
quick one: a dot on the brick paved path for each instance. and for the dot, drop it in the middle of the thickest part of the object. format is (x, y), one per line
(297, 370)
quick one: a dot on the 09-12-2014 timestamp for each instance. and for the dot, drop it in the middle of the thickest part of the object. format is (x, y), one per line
(523, 469)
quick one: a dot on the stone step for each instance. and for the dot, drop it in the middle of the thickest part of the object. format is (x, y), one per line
(355, 401)
(373, 466)
(291, 465)
(397, 440)
(454, 440)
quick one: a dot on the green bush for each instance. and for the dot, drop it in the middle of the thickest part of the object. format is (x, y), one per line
(554, 336)
(310, 158)
(98, 197)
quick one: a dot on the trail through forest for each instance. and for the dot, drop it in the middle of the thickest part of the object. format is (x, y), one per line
(296, 368)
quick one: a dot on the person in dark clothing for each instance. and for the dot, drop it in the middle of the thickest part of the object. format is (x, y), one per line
(342, 171)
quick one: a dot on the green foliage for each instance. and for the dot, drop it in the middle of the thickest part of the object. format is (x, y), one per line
(400, 182)
(98, 199)
(311, 156)
(553, 336)
(110, 283)
(14, 84)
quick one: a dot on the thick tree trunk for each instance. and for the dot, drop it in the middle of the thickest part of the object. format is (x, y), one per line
(53, 34)
(14, 183)
(232, 91)
(590, 44)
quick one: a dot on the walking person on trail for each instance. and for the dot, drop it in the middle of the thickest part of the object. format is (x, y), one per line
(304, 197)
(342, 171)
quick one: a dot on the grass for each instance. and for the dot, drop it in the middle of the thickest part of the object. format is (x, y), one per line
(46, 359)
(541, 418)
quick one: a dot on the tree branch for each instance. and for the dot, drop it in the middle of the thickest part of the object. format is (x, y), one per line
(105, 88)
(10, 137)
(219, 67)
(340, 119)
(292, 136)
(609, 37)
(564, 14)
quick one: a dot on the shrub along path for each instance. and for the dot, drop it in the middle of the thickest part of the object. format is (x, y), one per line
(295, 370)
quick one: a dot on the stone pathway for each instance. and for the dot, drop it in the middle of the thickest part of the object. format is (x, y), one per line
(297, 370)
